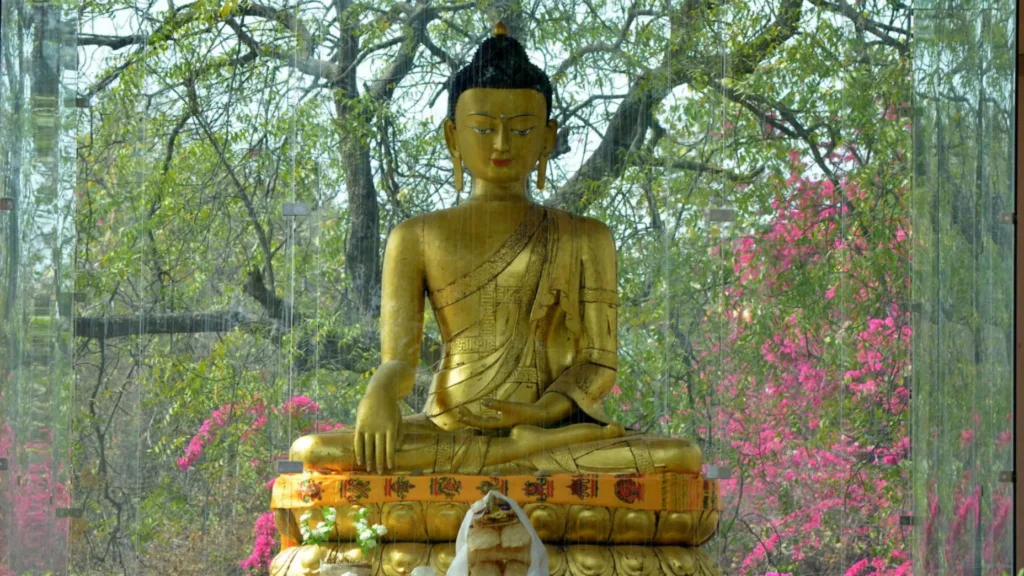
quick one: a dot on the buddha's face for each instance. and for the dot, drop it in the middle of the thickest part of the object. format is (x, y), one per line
(500, 133)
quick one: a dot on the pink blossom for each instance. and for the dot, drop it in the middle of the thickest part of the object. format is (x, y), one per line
(966, 437)
(300, 405)
(263, 547)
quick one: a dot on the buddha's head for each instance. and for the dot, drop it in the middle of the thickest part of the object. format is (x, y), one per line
(499, 114)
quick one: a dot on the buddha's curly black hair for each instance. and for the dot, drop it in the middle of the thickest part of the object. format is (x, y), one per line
(500, 62)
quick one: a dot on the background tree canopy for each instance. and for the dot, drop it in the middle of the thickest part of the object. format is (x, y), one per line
(240, 165)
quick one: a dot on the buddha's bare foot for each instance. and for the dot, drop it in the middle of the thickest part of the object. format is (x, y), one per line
(534, 436)
(525, 440)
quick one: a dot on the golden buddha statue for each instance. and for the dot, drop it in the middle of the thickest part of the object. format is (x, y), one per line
(525, 297)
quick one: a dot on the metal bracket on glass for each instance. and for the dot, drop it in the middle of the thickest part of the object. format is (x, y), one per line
(1008, 476)
(1008, 218)
(718, 473)
(4, 465)
(295, 209)
(721, 214)
(289, 467)
(70, 513)
(907, 521)
(6, 204)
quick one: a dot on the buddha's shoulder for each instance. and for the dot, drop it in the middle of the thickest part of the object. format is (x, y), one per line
(584, 227)
(409, 231)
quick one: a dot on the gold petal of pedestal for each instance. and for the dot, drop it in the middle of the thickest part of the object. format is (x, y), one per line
(636, 561)
(405, 521)
(548, 520)
(440, 522)
(444, 520)
(401, 558)
(581, 560)
(588, 524)
(287, 525)
(678, 561)
(632, 526)
(686, 528)
(441, 556)
(590, 560)
(706, 526)
(305, 560)
(345, 530)
(557, 564)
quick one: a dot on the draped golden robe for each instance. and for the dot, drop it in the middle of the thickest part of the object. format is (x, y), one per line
(528, 301)
(538, 316)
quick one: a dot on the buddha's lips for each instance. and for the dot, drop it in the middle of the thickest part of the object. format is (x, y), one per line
(501, 161)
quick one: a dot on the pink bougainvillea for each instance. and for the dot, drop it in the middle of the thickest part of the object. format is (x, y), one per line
(819, 348)
(263, 547)
(239, 424)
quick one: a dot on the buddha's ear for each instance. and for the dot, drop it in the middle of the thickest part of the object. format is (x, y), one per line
(449, 137)
(550, 136)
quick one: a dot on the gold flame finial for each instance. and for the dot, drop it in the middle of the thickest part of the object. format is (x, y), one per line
(500, 29)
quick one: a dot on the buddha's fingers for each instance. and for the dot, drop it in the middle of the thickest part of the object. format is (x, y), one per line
(359, 448)
(369, 442)
(382, 451)
(391, 448)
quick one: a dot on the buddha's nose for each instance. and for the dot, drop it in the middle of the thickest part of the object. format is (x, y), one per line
(501, 142)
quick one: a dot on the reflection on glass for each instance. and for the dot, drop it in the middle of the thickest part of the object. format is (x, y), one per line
(37, 80)
(963, 289)
(241, 164)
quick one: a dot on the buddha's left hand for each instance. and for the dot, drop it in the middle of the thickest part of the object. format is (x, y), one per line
(550, 408)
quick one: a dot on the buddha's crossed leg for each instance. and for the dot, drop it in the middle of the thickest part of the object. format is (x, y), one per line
(426, 448)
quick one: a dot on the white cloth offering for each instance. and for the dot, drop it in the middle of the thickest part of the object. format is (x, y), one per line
(513, 545)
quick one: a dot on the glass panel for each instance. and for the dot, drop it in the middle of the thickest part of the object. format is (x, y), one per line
(808, 343)
(963, 290)
(37, 234)
(241, 166)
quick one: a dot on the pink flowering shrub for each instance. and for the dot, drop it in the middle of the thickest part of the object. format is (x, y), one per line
(240, 424)
(263, 547)
(38, 540)
(813, 418)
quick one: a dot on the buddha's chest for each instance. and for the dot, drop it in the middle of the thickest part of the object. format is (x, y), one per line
(458, 243)
(489, 300)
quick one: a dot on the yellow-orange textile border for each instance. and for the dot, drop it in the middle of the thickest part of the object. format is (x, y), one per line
(658, 492)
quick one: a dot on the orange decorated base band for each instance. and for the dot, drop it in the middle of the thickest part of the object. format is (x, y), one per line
(667, 491)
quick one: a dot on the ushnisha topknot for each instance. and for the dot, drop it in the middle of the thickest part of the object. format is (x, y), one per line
(499, 62)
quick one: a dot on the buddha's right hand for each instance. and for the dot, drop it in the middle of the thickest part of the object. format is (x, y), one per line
(377, 429)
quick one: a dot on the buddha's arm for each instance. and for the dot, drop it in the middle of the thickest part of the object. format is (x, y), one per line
(378, 417)
(401, 313)
(590, 379)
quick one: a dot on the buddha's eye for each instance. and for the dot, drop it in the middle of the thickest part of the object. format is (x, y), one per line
(483, 130)
(523, 132)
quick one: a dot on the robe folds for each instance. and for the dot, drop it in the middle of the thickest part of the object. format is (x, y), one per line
(528, 298)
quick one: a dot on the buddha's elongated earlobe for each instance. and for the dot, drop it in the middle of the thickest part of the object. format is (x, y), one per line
(457, 162)
(542, 171)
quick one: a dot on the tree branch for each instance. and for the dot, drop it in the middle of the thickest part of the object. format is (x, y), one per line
(283, 17)
(635, 114)
(142, 324)
(307, 65)
(113, 42)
